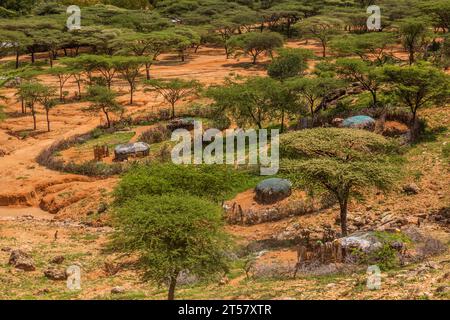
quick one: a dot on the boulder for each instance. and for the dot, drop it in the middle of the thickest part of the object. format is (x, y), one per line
(181, 123)
(57, 260)
(365, 242)
(273, 190)
(411, 189)
(21, 260)
(55, 274)
(359, 122)
(118, 290)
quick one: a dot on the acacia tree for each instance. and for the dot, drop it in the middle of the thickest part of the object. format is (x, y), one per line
(313, 91)
(371, 47)
(226, 29)
(48, 102)
(172, 234)
(173, 90)
(13, 41)
(322, 28)
(359, 71)
(63, 74)
(256, 43)
(103, 100)
(414, 35)
(289, 63)
(30, 92)
(342, 161)
(417, 86)
(129, 69)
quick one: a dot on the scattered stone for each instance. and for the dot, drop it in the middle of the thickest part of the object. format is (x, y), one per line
(224, 281)
(443, 289)
(102, 207)
(411, 189)
(21, 260)
(57, 260)
(6, 249)
(55, 274)
(118, 290)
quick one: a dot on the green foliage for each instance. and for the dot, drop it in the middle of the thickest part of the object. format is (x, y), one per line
(417, 86)
(209, 181)
(172, 234)
(103, 100)
(414, 35)
(341, 161)
(256, 43)
(322, 28)
(289, 63)
(370, 47)
(362, 72)
(173, 90)
(252, 102)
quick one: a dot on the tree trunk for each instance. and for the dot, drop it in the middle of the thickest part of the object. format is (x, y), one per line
(172, 285)
(374, 98)
(282, 121)
(48, 121)
(33, 113)
(173, 110)
(411, 57)
(79, 89)
(147, 71)
(23, 106)
(107, 119)
(32, 57)
(343, 215)
(131, 94)
(324, 53)
(50, 56)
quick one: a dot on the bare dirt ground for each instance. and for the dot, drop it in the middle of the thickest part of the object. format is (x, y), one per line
(36, 203)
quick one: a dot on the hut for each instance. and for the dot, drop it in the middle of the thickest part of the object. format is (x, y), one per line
(136, 149)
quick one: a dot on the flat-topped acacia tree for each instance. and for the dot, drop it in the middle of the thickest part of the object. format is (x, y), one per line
(322, 28)
(417, 86)
(342, 161)
(103, 100)
(129, 69)
(173, 90)
(172, 234)
(256, 43)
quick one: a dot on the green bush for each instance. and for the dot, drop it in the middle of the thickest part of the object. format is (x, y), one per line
(214, 182)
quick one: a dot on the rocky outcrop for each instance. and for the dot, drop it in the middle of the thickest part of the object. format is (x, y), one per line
(21, 260)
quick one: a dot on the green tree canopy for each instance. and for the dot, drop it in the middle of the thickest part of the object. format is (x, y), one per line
(341, 161)
(256, 43)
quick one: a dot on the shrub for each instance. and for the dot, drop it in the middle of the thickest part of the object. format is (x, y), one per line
(156, 134)
(214, 182)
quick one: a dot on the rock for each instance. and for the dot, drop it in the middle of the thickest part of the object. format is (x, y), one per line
(21, 260)
(57, 260)
(411, 189)
(365, 242)
(102, 207)
(224, 281)
(118, 290)
(55, 274)
(337, 122)
(443, 289)
(273, 190)
(6, 249)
